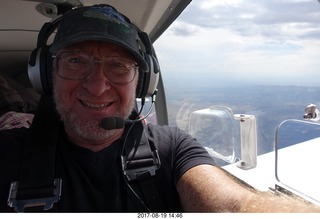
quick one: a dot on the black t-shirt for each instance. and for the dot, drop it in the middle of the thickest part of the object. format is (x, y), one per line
(93, 181)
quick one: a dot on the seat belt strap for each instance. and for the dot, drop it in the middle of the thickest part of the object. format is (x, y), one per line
(37, 185)
(150, 192)
(140, 163)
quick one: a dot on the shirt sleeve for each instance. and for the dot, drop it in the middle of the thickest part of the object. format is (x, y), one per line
(189, 153)
(178, 150)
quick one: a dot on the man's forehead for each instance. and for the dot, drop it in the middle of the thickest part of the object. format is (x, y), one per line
(98, 45)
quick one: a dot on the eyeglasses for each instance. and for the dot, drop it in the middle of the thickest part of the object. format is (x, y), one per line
(75, 65)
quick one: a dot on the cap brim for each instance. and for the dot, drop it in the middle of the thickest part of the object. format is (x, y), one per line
(81, 37)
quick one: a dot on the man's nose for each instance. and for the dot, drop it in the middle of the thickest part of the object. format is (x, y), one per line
(97, 83)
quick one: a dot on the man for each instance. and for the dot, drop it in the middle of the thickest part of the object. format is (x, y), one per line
(96, 61)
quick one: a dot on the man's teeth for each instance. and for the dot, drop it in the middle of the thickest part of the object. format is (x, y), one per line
(97, 106)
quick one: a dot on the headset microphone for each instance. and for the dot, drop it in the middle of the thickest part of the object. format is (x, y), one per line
(115, 122)
(110, 123)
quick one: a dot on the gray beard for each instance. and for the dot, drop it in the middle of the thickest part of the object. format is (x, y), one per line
(89, 130)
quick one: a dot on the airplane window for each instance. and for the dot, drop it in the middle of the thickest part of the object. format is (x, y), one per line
(255, 57)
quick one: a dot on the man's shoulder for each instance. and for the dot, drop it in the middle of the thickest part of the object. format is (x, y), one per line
(163, 128)
(167, 132)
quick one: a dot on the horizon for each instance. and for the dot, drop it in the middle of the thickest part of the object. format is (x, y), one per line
(186, 81)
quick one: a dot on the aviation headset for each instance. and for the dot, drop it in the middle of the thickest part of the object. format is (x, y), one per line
(40, 62)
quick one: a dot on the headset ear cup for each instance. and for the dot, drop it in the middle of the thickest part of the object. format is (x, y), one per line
(154, 75)
(140, 84)
(40, 61)
(148, 81)
(40, 70)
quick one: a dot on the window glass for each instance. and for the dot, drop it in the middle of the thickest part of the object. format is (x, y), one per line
(258, 58)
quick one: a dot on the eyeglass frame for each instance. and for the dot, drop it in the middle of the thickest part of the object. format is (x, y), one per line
(94, 60)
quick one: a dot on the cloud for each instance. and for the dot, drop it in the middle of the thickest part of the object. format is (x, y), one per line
(246, 17)
(272, 40)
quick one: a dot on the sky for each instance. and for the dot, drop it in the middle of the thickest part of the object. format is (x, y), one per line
(244, 41)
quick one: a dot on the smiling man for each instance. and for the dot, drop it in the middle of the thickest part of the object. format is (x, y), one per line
(92, 81)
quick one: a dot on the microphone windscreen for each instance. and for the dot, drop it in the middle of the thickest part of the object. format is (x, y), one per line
(119, 122)
(110, 123)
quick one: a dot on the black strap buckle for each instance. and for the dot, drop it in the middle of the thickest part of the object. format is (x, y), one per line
(133, 169)
(47, 203)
